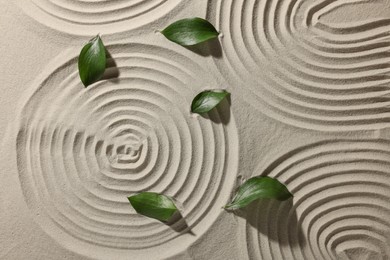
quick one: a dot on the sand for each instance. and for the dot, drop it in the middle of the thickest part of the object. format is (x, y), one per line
(309, 106)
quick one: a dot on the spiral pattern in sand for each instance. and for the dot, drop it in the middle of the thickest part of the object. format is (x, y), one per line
(81, 152)
(104, 16)
(340, 209)
(299, 67)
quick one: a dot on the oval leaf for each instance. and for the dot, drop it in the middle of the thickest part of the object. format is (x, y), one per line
(92, 61)
(190, 31)
(153, 205)
(258, 188)
(207, 100)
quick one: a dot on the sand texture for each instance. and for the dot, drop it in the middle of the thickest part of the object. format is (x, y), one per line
(309, 105)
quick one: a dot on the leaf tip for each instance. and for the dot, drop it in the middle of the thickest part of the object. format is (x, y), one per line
(229, 207)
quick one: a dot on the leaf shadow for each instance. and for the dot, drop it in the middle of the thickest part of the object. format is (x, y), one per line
(221, 113)
(112, 72)
(178, 223)
(210, 48)
(277, 220)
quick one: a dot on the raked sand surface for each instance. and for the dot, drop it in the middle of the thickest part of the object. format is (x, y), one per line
(309, 105)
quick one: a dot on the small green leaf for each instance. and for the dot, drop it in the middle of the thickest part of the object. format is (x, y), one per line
(92, 61)
(153, 205)
(207, 100)
(190, 31)
(258, 188)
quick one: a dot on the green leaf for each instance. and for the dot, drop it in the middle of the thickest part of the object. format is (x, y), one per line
(258, 188)
(153, 205)
(92, 61)
(190, 31)
(207, 100)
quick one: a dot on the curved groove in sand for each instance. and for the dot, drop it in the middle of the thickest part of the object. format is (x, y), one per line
(308, 72)
(81, 155)
(340, 207)
(107, 17)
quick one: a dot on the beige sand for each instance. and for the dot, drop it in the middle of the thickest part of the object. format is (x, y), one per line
(309, 106)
